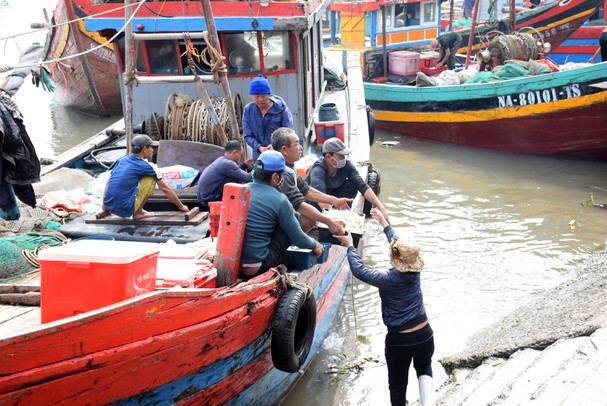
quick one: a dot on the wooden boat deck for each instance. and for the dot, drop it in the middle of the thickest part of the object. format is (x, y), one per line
(15, 318)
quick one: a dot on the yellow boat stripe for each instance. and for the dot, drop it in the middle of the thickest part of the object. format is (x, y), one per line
(492, 114)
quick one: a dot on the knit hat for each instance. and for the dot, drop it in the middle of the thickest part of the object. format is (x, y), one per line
(273, 161)
(335, 145)
(260, 85)
(404, 256)
(141, 141)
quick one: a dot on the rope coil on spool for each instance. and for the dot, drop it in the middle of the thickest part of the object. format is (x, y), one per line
(514, 46)
(189, 120)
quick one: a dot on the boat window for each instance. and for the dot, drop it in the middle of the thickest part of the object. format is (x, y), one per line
(197, 49)
(428, 13)
(162, 57)
(277, 51)
(242, 51)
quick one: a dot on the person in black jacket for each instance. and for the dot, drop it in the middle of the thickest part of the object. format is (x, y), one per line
(447, 45)
(410, 337)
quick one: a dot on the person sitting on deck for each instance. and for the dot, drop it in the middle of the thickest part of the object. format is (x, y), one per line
(133, 181)
(335, 175)
(225, 169)
(271, 225)
(286, 141)
(263, 115)
(447, 45)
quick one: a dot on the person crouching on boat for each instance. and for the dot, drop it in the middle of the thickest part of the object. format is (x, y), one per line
(409, 337)
(335, 175)
(133, 181)
(446, 45)
(286, 141)
(263, 115)
(225, 169)
(271, 225)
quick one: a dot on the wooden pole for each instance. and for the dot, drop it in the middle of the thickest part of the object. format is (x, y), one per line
(383, 35)
(471, 36)
(129, 74)
(223, 79)
(452, 14)
(512, 15)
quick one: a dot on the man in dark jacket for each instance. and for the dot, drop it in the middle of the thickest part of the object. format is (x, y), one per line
(225, 169)
(447, 45)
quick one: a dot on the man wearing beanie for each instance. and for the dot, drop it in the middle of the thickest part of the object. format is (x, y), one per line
(266, 113)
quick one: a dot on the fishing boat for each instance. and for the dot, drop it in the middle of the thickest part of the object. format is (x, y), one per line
(557, 113)
(232, 342)
(380, 27)
(82, 64)
(582, 44)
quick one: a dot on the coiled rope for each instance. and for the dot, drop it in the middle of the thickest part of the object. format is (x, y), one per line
(189, 120)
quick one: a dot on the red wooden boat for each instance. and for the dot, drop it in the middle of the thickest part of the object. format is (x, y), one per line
(243, 343)
(83, 70)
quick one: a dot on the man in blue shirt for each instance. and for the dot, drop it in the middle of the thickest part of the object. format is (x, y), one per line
(271, 225)
(225, 169)
(133, 181)
(263, 115)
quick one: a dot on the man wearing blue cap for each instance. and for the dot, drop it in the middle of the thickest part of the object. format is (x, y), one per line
(271, 225)
(263, 115)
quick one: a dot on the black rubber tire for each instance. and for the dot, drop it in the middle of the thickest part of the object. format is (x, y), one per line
(374, 182)
(293, 330)
(371, 125)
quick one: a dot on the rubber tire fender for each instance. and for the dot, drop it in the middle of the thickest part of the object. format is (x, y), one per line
(293, 330)
(371, 125)
(374, 182)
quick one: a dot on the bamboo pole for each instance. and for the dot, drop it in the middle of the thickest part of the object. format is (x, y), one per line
(472, 28)
(223, 79)
(129, 74)
(383, 28)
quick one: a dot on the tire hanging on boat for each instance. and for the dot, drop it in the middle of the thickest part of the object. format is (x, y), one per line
(371, 125)
(293, 330)
(374, 182)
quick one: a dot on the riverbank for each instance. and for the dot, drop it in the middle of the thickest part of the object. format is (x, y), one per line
(550, 351)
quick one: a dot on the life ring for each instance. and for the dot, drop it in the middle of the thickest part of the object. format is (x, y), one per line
(374, 182)
(371, 125)
(293, 330)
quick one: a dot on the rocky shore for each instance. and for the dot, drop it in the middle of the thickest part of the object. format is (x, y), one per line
(550, 351)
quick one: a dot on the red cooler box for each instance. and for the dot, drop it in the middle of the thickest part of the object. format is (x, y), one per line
(428, 59)
(403, 63)
(88, 274)
(329, 129)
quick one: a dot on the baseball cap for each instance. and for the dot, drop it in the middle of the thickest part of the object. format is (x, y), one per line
(141, 141)
(273, 161)
(335, 145)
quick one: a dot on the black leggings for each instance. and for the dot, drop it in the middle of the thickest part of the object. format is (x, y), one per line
(401, 349)
(603, 44)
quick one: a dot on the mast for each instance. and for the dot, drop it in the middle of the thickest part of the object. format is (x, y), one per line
(472, 28)
(214, 42)
(130, 55)
(383, 33)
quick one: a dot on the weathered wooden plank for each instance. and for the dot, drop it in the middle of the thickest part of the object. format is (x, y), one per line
(231, 232)
(161, 218)
(11, 288)
(27, 299)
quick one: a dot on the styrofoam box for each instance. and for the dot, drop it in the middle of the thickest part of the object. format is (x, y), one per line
(403, 63)
(186, 273)
(88, 274)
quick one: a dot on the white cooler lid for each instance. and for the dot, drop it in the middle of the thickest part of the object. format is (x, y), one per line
(100, 251)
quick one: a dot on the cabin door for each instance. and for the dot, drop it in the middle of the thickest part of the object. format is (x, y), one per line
(312, 54)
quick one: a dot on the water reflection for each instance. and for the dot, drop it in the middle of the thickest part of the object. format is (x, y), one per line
(494, 231)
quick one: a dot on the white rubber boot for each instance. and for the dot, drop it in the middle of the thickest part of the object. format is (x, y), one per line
(426, 391)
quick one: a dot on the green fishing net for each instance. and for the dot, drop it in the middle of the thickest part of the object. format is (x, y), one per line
(13, 263)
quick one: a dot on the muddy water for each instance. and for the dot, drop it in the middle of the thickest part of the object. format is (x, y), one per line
(495, 230)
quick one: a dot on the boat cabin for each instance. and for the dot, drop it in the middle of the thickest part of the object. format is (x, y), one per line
(283, 43)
